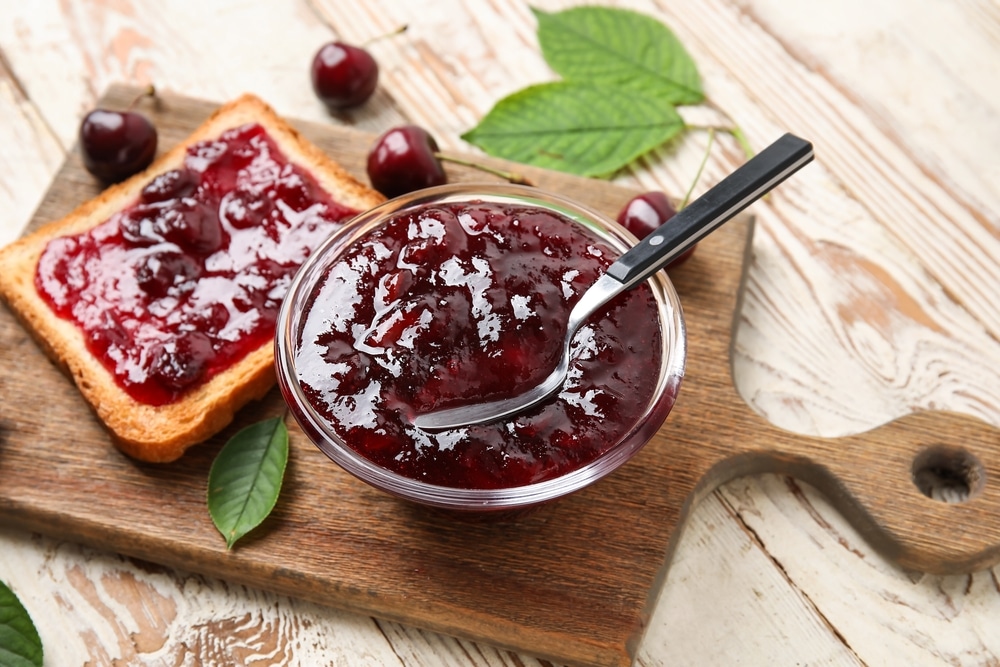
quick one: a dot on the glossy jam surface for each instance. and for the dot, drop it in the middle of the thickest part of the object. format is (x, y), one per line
(189, 278)
(457, 303)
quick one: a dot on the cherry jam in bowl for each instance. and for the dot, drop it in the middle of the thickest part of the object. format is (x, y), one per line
(460, 294)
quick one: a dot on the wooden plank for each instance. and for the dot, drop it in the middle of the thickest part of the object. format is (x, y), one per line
(32, 155)
(884, 614)
(555, 583)
(369, 553)
(709, 610)
(794, 362)
(106, 609)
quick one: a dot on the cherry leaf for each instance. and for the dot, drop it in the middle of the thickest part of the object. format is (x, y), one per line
(579, 128)
(604, 44)
(246, 476)
(20, 645)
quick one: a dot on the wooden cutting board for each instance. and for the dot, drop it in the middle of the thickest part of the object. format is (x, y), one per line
(574, 582)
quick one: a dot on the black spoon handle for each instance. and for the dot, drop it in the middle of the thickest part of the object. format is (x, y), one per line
(702, 216)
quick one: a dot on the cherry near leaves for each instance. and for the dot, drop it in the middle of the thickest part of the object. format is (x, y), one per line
(20, 645)
(245, 479)
(623, 74)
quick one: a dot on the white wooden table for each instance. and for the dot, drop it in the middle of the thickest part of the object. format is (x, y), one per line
(880, 299)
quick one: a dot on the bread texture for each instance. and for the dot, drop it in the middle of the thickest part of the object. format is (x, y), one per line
(161, 433)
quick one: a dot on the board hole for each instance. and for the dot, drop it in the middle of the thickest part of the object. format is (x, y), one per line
(948, 474)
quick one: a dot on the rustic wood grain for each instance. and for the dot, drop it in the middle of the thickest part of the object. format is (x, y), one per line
(397, 562)
(762, 568)
(884, 615)
(588, 583)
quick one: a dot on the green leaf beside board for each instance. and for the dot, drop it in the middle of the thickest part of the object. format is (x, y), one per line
(20, 645)
(246, 477)
(623, 73)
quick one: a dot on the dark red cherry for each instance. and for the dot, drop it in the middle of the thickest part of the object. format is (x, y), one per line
(212, 319)
(644, 213)
(138, 226)
(192, 225)
(405, 159)
(242, 209)
(343, 76)
(159, 272)
(188, 223)
(179, 363)
(116, 144)
(172, 184)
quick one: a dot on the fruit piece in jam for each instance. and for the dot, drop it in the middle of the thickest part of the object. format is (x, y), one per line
(460, 303)
(188, 279)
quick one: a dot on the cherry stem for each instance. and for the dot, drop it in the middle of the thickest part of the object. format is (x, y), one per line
(733, 129)
(148, 91)
(398, 31)
(701, 168)
(509, 176)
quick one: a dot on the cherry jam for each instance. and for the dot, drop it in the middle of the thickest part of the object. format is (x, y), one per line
(455, 303)
(188, 279)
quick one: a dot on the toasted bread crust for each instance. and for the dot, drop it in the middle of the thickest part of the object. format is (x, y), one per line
(161, 433)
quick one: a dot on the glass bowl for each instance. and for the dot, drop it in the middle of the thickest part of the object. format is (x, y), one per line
(294, 344)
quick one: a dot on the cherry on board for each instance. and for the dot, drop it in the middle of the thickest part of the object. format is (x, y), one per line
(116, 144)
(405, 159)
(644, 213)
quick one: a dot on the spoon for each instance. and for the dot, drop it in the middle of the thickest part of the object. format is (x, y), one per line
(702, 216)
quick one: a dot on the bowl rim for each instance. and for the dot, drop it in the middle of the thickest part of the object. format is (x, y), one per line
(672, 358)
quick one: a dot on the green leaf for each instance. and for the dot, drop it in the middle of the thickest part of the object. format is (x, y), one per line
(585, 129)
(603, 44)
(246, 476)
(20, 645)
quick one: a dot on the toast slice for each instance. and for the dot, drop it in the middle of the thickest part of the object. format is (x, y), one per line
(161, 433)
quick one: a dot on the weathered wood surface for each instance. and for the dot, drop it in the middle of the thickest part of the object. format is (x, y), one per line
(871, 293)
(572, 581)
